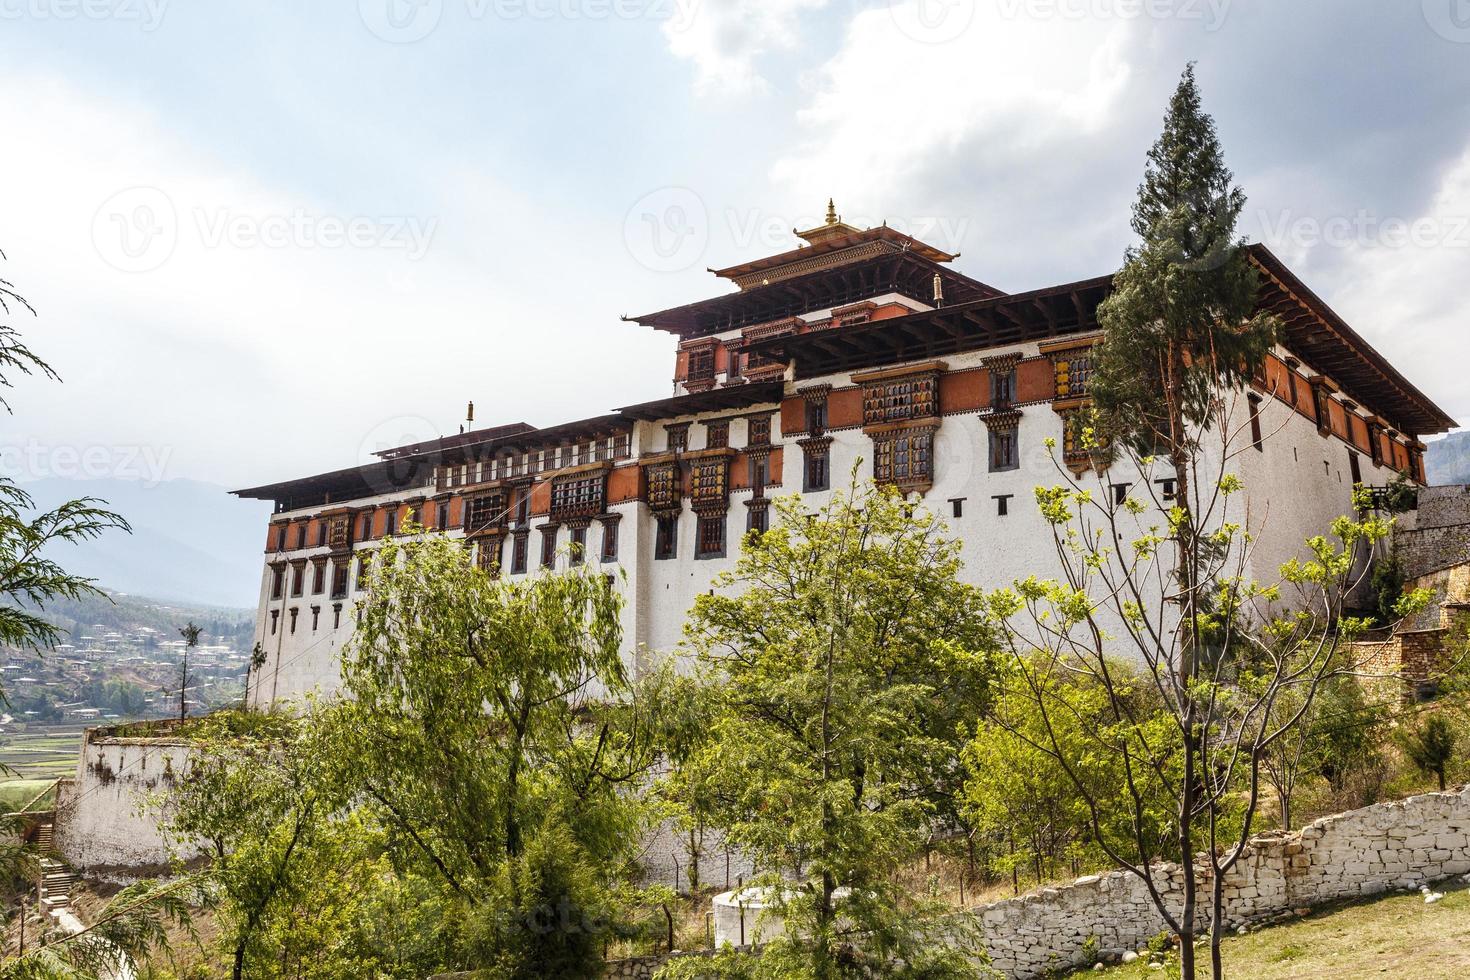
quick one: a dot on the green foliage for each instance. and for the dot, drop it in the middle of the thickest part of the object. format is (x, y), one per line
(1430, 745)
(1045, 763)
(468, 807)
(1180, 321)
(1388, 587)
(847, 653)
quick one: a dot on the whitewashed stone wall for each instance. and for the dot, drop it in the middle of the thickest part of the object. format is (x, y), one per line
(1403, 844)
(105, 824)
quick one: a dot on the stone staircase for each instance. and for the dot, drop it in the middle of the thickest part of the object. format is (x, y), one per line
(57, 880)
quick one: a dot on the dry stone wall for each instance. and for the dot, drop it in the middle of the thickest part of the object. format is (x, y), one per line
(1403, 844)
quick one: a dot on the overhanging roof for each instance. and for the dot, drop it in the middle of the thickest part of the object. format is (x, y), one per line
(902, 271)
(714, 400)
(1312, 331)
(831, 245)
(353, 483)
(1325, 342)
(993, 322)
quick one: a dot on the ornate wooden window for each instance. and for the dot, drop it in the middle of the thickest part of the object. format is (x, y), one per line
(709, 483)
(339, 579)
(548, 545)
(1074, 439)
(1073, 371)
(1003, 450)
(364, 564)
(815, 469)
(621, 446)
(300, 536)
(758, 431)
(664, 492)
(365, 527)
(579, 544)
(760, 465)
(759, 367)
(716, 435)
(1375, 443)
(904, 458)
(1321, 401)
(1003, 440)
(390, 526)
(441, 516)
(732, 360)
(321, 534)
(701, 366)
(901, 399)
(318, 577)
(518, 549)
(487, 554)
(678, 437)
(485, 512)
(757, 518)
(816, 409)
(577, 496)
(711, 536)
(298, 578)
(278, 581)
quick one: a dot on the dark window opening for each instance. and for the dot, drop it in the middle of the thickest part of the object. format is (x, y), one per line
(816, 416)
(278, 582)
(610, 541)
(1256, 438)
(548, 548)
(678, 436)
(293, 621)
(957, 507)
(1167, 488)
(711, 537)
(815, 476)
(318, 578)
(337, 616)
(365, 527)
(757, 519)
(666, 539)
(518, 554)
(316, 617)
(441, 517)
(298, 579)
(339, 579)
(1355, 467)
(390, 527)
(579, 545)
(1003, 451)
(1120, 493)
(1003, 504)
(275, 620)
(1002, 389)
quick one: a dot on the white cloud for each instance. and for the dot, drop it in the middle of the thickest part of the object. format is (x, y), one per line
(1403, 287)
(725, 38)
(242, 332)
(914, 81)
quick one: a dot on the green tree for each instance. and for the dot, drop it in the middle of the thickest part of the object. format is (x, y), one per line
(484, 724)
(847, 651)
(1430, 745)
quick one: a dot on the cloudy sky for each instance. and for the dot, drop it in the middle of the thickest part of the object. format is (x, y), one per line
(266, 238)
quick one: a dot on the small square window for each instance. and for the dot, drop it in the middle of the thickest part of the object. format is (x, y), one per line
(1120, 493)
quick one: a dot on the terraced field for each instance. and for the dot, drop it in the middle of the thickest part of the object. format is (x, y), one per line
(34, 758)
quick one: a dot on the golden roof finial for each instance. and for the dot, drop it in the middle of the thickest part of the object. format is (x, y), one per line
(831, 211)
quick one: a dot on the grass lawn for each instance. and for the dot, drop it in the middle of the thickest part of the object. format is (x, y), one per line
(16, 793)
(1399, 936)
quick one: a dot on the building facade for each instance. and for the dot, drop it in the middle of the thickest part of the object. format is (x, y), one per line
(860, 351)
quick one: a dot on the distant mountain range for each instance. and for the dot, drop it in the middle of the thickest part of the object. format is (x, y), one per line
(191, 541)
(1447, 461)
